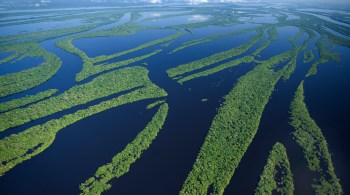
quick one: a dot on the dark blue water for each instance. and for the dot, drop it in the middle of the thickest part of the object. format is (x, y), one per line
(109, 45)
(77, 152)
(274, 127)
(327, 96)
(24, 64)
(209, 48)
(163, 168)
(179, 104)
(62, 80)
(81, 148)
(4, 55)
(282, 44)
(71, 65)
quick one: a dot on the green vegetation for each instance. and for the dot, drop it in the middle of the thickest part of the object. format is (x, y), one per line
(48, 34)
(95, 20)
(66, 15)
(308, 56)
(233, 128)
(121, 163)
(208, 39)
(20, 147)
(292, 64)
(6, 106)
(143, 46)
(243, 60)
(276, 175)
(29, 47)
(296, 37)
(102, 86)
(310, 138)
(150, 106)
(27, 79)
(325, 56)
(311, 35)
(272, 37)
(218, 57)
(239, 61)
(90, 69)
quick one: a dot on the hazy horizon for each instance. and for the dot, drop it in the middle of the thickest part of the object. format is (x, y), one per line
(81, 3)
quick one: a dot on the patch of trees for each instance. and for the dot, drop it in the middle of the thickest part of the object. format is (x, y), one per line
(243, 60)
(102, 86)
(89, 67)
(308, 56)
(150, 106)
(277, 176)
(310, 138)
(12, 104)
(98, 19)
(218, 57)
(143, 46)
(233, 128)
(121, 162)
(208, 39)
(29, 78)
(326, 55)
(23, 146)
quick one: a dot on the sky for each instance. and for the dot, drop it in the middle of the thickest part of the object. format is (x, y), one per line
(74, 3)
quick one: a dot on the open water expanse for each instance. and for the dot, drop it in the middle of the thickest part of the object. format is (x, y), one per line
(82, 147)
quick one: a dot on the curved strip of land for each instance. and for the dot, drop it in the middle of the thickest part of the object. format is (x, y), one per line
(277, 165)
(310, 138)
(23, 146)
(121, 162)
(326, 55)
(208, 39)
(184, 68)
(246, 59)
(102, 86)
(308, 56)
(90, 70)
(15, 103)
(143, 46)
(89, 67)
(27, 79)
(233, 128)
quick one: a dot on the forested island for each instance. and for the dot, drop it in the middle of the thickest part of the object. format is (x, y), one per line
(192, 96)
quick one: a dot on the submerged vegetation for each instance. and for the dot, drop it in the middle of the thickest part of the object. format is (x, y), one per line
(122, 161)
(325, 54)
(277, 175)
(308, 56)
(310, 138)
